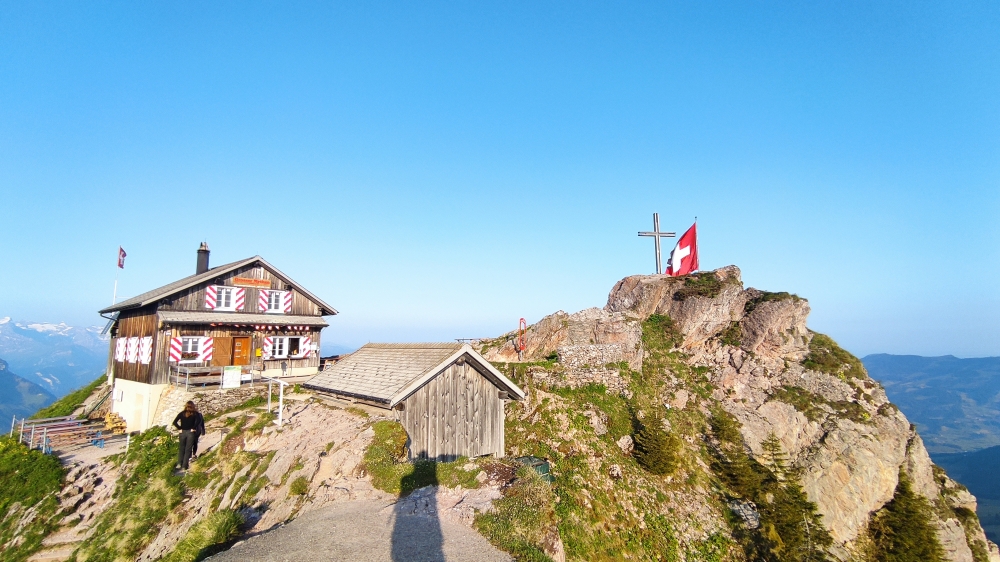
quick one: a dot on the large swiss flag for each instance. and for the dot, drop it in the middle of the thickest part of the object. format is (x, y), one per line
(684, 258)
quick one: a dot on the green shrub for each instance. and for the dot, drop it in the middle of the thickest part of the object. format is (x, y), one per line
(902, 531)
(30, 481)
(206, 537)
(66, 405)
(655, 449)
(826, 356)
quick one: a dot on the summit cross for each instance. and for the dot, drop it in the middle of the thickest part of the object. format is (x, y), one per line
(656, 234)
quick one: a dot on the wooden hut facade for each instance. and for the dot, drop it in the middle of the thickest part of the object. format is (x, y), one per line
(449, 398)
(245, 313)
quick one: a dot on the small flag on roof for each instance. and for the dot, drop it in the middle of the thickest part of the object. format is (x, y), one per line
(121, 258)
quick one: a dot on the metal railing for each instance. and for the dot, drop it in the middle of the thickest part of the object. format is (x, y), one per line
(202, 377)
(46, 433)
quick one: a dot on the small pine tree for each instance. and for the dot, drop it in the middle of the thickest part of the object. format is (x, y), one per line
(774, 457)
(901, 531)
(656, 450)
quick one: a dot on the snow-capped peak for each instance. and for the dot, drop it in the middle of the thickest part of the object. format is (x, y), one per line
(4, 320)
(61, 328)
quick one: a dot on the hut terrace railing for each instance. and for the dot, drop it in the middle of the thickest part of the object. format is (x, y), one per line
(204, 377)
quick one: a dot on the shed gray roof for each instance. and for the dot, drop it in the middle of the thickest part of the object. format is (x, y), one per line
(190, 281)
(188, 317)
(389, 372)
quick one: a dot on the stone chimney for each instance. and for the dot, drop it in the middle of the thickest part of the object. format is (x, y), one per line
(202, 258)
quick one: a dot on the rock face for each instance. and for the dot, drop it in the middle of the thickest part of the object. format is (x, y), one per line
(838, 428)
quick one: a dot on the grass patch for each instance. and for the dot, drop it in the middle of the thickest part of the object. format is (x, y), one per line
(357, 412)
(766, 296)
(732, 335)
(705, 284)
(66, 405)
(31, 480)
(147, 491)
(827, 357)
(299, 486)
(206, 537)
(522, 519)
(810, 405)
(660, 333)
(385, 460)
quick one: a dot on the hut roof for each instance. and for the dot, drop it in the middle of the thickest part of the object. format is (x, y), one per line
(389, 372)
(198, 278)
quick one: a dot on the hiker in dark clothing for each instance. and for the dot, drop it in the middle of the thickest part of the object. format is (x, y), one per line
(197, 434)
(190, 422)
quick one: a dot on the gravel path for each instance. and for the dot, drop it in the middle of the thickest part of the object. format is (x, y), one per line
(365, 531)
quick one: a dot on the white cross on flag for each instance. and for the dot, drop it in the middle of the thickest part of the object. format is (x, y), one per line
(684, 258)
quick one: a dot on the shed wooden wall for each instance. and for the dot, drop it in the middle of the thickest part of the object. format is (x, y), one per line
(457, 413)
(194, 298)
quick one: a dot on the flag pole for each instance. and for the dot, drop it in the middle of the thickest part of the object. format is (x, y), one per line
(699, 242)
(114, 295)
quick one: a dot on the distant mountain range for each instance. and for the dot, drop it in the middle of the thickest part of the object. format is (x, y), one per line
(954, 402)
(18, 396)
(57, 357)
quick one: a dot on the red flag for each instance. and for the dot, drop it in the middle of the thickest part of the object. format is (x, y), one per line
(121, 258)
(684, 258)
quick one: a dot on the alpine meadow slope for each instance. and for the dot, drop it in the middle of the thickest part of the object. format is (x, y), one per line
(693, 419)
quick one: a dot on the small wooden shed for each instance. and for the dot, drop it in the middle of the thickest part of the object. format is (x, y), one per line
(448, 397)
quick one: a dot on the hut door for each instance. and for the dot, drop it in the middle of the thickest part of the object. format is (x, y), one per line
(223, 353)
(241, 351)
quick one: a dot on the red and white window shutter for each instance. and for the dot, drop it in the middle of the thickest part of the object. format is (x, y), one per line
(239, 298)
(286, 302)
(210, 297)
(176, 346)
(205, 354)
(304, 346)
(262, 296)
(267, 347)
(132, 350)
(146, 350)
(120, 344)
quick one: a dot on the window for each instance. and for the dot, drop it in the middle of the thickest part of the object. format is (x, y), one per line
(280, 348)
(190, 349)
(274, 299)
(285, 347)
(224, 298)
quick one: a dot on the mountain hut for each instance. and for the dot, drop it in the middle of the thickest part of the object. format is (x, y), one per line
(246, 313)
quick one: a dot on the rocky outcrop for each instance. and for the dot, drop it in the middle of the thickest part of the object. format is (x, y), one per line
(847, 441)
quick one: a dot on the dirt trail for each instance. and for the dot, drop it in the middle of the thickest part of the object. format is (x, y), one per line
(366, 531)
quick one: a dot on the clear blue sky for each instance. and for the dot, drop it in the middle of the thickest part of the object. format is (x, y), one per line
(438, 170)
